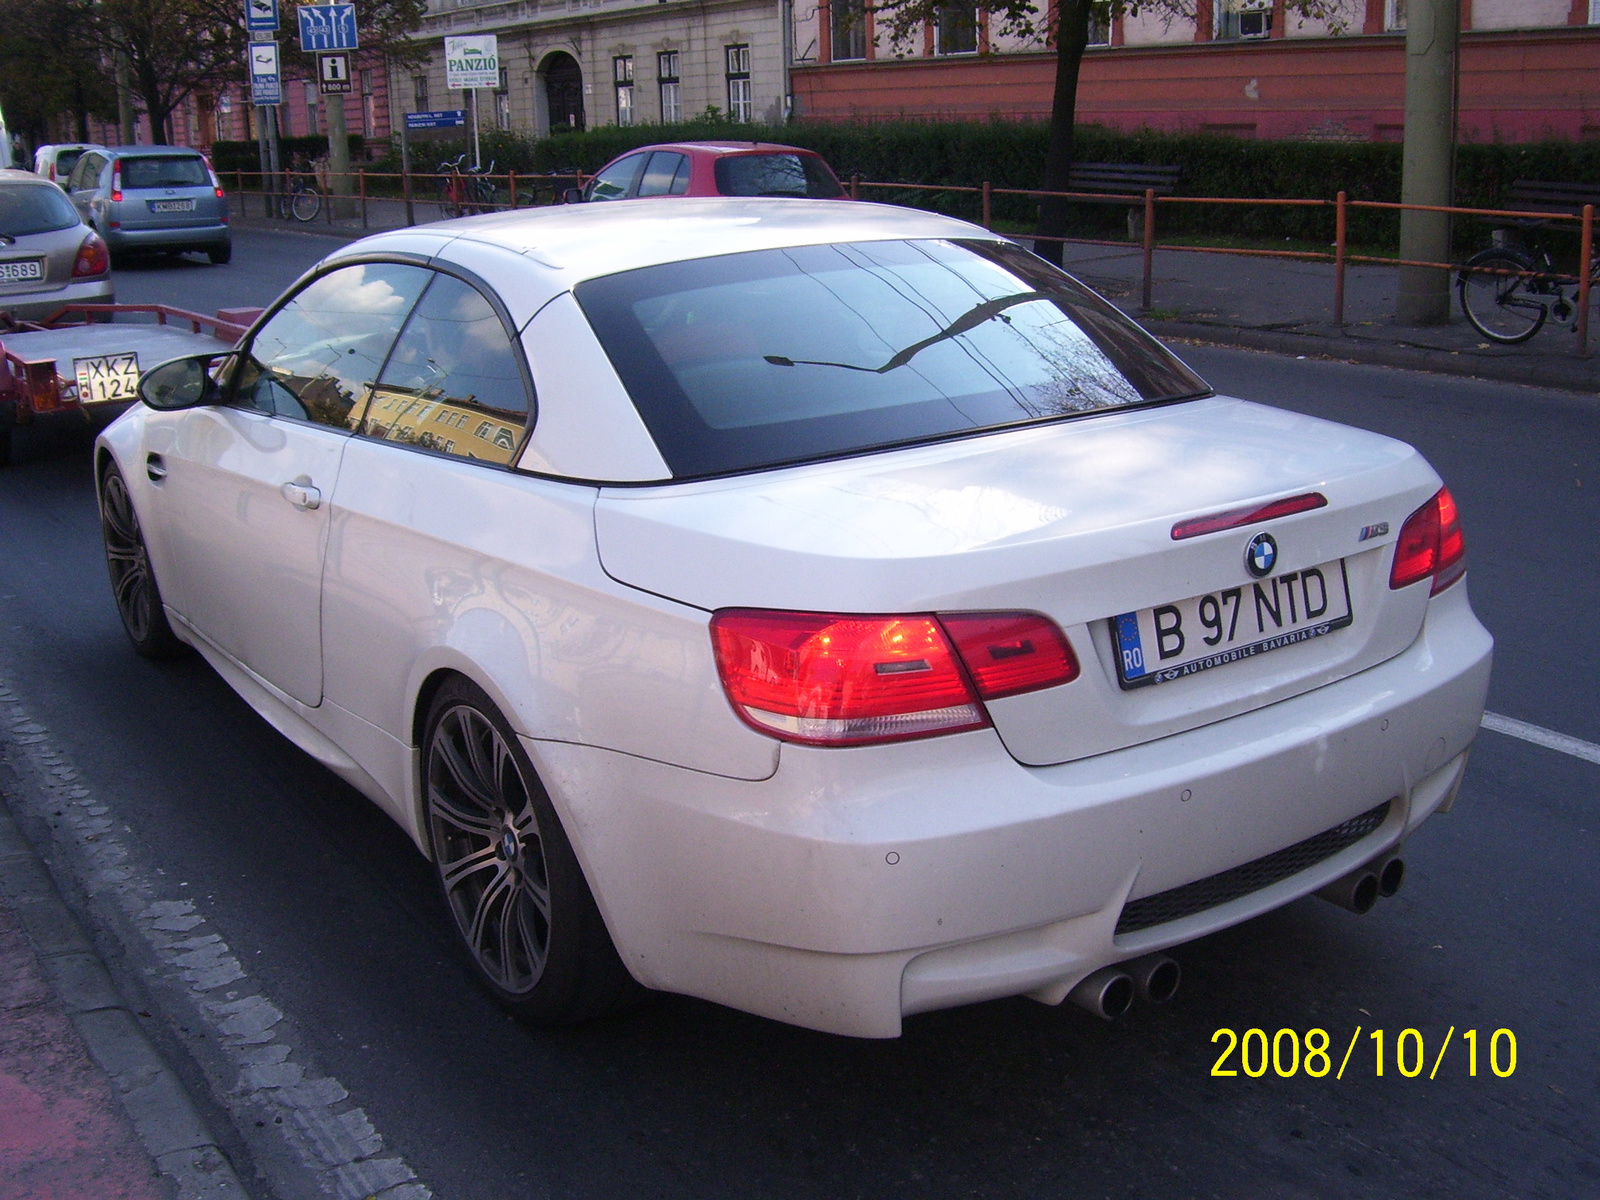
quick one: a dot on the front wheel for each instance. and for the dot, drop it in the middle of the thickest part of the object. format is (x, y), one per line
(521, 908)
(133, 583)
(307, 203)
(1499, 299)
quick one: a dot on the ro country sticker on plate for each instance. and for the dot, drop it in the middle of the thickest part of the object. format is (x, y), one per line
(107, 378)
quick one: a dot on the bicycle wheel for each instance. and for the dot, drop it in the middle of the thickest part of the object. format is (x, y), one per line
(307, 204)
(1502, 304)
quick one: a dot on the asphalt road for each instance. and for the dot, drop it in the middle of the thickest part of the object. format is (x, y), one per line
(331, 910)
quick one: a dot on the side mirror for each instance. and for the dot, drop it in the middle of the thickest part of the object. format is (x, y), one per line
(183, 383)
(572, 196)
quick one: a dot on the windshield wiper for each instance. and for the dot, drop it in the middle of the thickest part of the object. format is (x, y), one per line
(977, 315)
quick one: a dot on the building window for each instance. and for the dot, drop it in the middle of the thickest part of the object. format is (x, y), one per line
(419, 92)
(1100, 24)
(956, 29)
(502, 103)
(622, 77)
(849, 22)
(738, 59)
(1394, 15)
(667, 75)
(1244, 19)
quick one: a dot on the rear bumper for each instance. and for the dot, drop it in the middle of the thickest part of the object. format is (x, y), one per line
(192, 237)
(37, 307)
(856, 886)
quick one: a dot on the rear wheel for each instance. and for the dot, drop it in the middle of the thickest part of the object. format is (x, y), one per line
(133, 583)
(1499, 300)
(220, 254)
(521, 908)
(307, 203)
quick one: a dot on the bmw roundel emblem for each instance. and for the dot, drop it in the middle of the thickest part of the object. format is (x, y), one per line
(1261, 555)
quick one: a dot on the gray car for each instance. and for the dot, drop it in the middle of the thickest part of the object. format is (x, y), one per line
(48, 256)
(156, 198)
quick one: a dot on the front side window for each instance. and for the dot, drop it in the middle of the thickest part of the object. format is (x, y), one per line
(849, 29)
(958, 28)
(667, 77)
(666, 174)
(86, 173)
(616, 181)
(318, 356)
(772, 356)
(454, 382)
(738, 69)
(622, 74)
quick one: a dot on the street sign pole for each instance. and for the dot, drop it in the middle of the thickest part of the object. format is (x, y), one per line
(477, 152)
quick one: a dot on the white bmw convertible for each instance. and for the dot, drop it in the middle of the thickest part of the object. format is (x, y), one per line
(832, 611)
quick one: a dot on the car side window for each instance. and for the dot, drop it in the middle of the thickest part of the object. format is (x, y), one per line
(86, 173)
(454, 382)
(318, 356)
(615, 181)
(667, 174)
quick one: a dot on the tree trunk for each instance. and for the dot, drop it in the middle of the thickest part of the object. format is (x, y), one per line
(1072, 37)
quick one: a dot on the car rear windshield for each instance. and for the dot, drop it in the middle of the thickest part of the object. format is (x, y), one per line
(30, 208)
(178, 170)
(65, 161)
(776, 175)
(774, 356)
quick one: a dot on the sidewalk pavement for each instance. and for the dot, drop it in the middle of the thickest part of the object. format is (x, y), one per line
(1275, 304)
(88, 1109)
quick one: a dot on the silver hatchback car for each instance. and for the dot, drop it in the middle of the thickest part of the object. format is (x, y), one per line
(159, 198)
(48, 256)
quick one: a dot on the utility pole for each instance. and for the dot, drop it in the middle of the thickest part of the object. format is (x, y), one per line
(338, 155)
(1429, 155)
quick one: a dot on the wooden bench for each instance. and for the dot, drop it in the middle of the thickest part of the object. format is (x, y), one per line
(1533, 195)
(1123, 179)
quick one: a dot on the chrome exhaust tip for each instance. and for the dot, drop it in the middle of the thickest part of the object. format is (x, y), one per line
(1107, 993)
(1155, 977)
(1357, 891)
(1391, 874)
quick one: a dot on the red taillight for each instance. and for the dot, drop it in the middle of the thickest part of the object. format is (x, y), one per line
(219, 193)
(851, 680)
(1010, 653)
(93, 258)
(116, 184)
(1430, 544)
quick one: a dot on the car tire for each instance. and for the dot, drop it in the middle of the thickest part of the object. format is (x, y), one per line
(220, 255)
(133, 581)
(519, 905)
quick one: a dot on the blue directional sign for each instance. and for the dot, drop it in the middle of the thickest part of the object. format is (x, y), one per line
(327, 27)
(266, 84)
(261, 16)
(446, 119)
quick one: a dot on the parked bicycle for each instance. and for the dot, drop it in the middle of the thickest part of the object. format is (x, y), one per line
(301, 200)
(466, 190)
(1509, 291)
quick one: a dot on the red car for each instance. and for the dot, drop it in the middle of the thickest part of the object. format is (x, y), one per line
(713, 169)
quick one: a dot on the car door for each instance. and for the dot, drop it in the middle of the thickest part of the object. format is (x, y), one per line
(248, 485)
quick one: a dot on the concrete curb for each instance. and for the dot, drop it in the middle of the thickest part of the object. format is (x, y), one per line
(1554, 370)
(163, 1116)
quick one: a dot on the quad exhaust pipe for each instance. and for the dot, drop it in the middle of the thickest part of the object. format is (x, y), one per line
(1362, 888)
(1109, 992)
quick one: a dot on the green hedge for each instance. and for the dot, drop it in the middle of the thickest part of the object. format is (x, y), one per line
(246, 156)
(1011, 154)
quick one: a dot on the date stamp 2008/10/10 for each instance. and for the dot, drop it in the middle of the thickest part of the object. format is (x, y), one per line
(1288, 1053)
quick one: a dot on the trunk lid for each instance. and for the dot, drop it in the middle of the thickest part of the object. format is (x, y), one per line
(1073, 520)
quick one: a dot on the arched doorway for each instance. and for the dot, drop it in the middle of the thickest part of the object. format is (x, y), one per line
(563, 89)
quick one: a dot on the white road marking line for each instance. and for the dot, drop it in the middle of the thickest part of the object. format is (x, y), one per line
(1540, 736)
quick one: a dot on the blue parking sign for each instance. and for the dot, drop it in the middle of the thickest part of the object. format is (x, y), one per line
(261, 16)
(327, 27)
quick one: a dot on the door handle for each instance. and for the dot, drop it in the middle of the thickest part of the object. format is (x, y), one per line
(301, 494)
(155, 467)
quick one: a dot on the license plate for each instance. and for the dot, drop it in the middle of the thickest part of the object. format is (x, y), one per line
(15, 272)
(172, 206)
(107, 378)
(1173, 641)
